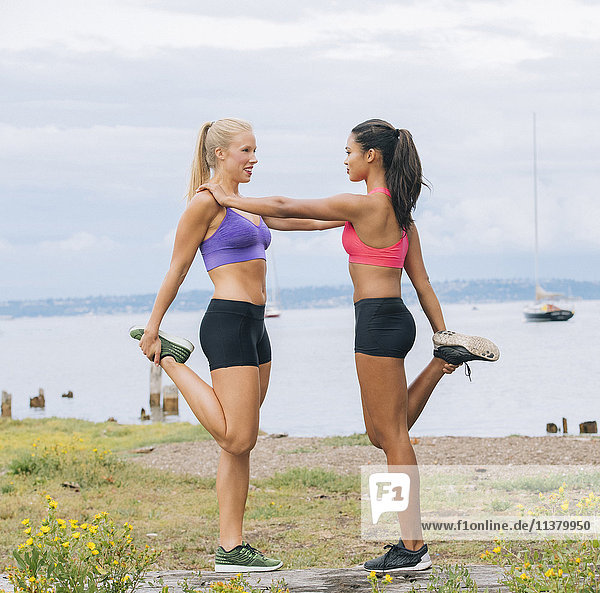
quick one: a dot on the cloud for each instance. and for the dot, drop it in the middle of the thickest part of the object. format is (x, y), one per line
(465, 33)
(80, 242)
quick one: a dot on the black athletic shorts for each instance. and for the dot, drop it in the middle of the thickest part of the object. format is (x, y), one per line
(383, 327)
(233, 334)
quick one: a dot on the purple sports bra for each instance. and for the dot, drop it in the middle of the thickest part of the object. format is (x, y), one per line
(237, 239)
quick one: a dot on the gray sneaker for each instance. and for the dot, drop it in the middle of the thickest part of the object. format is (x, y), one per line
(179, 348)
(244, 558)
(457, 348)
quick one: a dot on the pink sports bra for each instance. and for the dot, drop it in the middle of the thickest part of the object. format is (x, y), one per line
(359, 253)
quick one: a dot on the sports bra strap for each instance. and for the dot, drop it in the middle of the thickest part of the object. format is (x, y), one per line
(383, 190)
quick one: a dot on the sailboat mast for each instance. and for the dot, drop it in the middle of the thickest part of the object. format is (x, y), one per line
(535, 201)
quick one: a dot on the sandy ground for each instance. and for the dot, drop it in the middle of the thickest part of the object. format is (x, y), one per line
(275, 453)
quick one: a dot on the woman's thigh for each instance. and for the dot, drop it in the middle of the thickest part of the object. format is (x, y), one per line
(238, 390)
(384, 393)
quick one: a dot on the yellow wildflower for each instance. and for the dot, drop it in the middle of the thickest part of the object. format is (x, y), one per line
(549, 572)
(44, 529)
(29, 542)
(524, 576)
(76, 535)
(387, 578)
(560, 572)
(565, 506)
(577, 560)
(25, 522)
(84, 526)
(27, 531)
(52, 504)
(527, 565)
(65, 544)
(91, 545)
(48, 497)
(561, 490)
(497, 550)
(95, 552)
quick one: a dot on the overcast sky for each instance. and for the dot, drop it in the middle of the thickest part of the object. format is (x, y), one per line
(101, 103)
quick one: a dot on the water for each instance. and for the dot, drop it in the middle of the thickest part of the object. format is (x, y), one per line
(546, 371)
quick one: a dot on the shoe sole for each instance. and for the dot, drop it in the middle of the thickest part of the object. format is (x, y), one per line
(240, 568)
(424, 565)
(180, 350)
(481, 348)
(137, 331)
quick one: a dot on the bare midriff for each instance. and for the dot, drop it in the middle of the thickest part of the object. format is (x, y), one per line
(373, 282)
(241, 281)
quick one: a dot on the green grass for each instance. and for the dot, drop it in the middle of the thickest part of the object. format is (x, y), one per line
(306, 516)
(353, 439)
(18, 436)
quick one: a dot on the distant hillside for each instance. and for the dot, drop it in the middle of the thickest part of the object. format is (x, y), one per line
(455, 291)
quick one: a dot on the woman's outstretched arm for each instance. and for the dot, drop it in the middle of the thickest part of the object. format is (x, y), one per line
(300, 224)
(338, 208)
(192, 228)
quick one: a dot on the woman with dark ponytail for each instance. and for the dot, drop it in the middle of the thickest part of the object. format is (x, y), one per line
(381, 240)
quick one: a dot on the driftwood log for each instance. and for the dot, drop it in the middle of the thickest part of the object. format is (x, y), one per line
(589, 427)
(6, 405)
(155, 386)
(170, 399)
(38, 401)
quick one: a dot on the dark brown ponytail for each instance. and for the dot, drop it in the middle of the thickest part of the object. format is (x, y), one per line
(401, 163)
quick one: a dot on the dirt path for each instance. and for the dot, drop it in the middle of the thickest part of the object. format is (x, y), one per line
(273, 454)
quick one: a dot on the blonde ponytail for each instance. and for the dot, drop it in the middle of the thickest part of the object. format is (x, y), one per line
(200, 168)
(212, 135)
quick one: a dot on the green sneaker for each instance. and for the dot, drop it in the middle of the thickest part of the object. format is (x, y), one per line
(244, 558)
(179, 348)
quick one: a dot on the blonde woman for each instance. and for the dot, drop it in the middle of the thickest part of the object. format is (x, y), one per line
(232, 333)
(381, 240)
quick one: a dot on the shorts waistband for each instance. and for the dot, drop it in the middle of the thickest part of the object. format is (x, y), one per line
(379, 301)
(237, 308)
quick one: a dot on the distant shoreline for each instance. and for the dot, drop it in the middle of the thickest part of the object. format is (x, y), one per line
(307, 297)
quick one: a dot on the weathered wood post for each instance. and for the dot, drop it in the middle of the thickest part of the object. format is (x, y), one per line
(170, 399)
(155, 385)
(589, 427)
(551, 428)
(564, 426)
(6, 405)
(39, 401)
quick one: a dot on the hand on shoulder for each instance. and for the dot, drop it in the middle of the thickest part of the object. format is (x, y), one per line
(216, 191)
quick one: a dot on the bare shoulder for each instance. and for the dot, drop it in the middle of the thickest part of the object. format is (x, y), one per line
(413, 234)
(203, 206)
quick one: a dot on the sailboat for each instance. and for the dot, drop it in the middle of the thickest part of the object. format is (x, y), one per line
(543, 309)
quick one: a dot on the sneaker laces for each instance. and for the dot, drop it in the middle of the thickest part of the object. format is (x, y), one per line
(387, 554)
(247, 545)
(467, 371)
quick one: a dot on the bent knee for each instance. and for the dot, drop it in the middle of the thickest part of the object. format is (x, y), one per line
(239, 445)
(374, 440)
